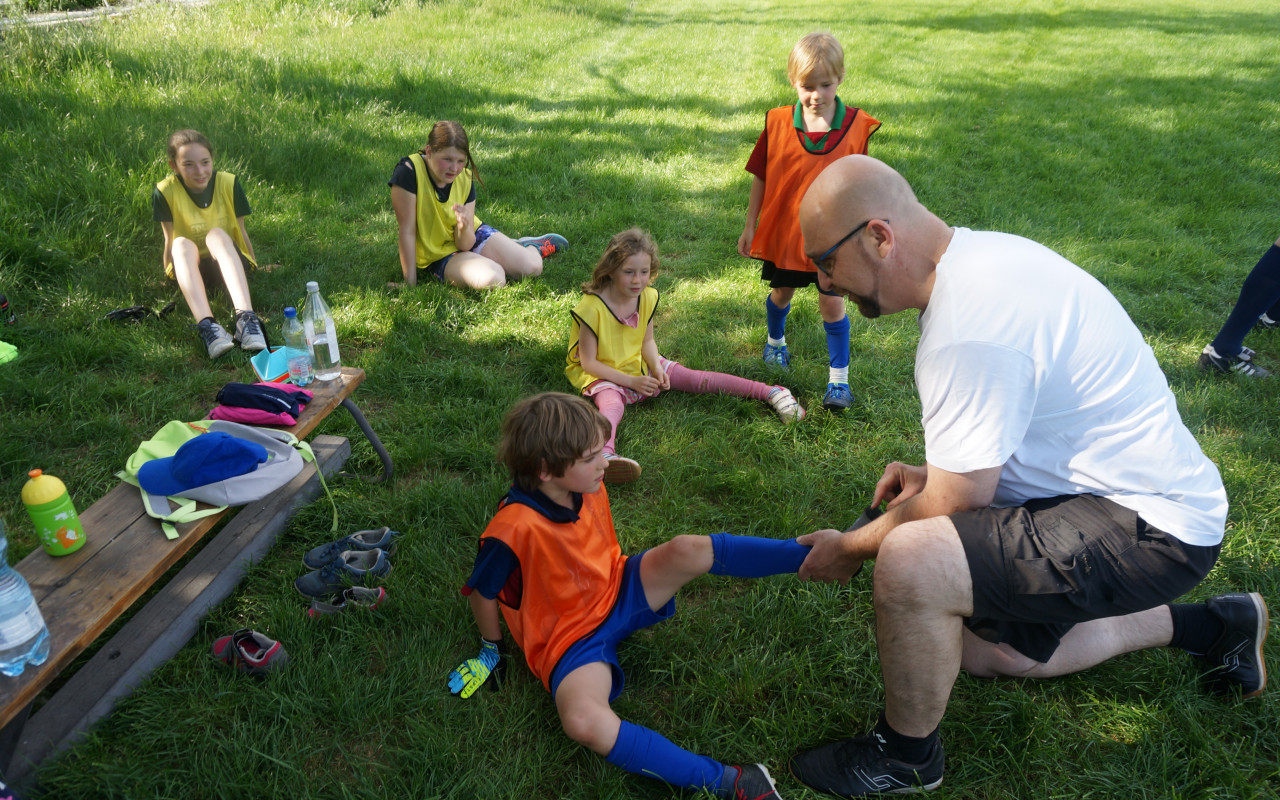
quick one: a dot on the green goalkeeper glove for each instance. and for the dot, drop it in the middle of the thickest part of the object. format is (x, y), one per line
(471, 674)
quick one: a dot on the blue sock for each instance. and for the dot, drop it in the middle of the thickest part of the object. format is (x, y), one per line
(775, 318)
(838, 342)
(1259, 293)
(648, 753)
(754, 556)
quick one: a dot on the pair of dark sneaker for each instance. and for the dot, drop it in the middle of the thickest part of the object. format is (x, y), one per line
(863, 766)
(351, 560)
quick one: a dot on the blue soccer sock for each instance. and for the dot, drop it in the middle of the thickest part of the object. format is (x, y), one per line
(776, 318)
(754, 556)
(838, 344)
(649, 753)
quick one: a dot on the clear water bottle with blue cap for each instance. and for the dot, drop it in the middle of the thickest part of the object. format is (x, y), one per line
(297, 354)
(24, 638)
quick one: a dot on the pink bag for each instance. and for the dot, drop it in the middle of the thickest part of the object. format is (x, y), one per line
(256, 416)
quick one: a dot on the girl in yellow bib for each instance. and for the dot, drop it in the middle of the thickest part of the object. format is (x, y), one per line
(202, 215)
(434, 196)
(614, 360)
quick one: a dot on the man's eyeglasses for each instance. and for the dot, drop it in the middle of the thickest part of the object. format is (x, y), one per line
(823, 261)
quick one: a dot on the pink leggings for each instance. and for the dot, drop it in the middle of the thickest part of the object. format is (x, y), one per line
(612, 403)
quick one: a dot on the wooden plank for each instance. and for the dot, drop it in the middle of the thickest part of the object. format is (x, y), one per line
(81, 594)
(328, 395)
(170, 618)
(124, 553)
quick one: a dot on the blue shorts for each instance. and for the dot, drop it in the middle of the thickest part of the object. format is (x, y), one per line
(482, 235)
(630, 614)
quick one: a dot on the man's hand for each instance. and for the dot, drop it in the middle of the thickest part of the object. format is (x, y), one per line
(899, 482)
(471, 674)
(828, 559)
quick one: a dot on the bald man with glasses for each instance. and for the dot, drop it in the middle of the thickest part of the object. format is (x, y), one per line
(1063, 504)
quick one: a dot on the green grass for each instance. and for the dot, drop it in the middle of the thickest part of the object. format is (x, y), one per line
(1138, 138)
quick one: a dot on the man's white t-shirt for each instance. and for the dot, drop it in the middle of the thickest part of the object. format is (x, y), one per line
(1028, 361)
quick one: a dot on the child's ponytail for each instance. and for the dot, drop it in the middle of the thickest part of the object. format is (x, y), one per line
(447, 133)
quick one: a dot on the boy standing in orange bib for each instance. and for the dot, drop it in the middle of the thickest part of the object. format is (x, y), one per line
(797, 143)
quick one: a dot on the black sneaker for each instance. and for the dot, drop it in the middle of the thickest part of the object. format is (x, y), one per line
(754, 783)
(1266, 323)
(859, 767)
(1243, 363)
(1236, 658)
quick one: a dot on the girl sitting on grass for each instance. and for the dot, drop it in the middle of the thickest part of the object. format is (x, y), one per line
(614, 360)
(202, 215)
(434, 196)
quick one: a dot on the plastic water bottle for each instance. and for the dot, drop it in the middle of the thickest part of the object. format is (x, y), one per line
(296, 353)
(321, 333)
(24, 638)
(53, 514)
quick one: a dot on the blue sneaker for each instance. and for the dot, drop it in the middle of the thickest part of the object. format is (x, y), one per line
(383, 539)
(352, 567)
(777, 355)
(838, 397)
(548, 244)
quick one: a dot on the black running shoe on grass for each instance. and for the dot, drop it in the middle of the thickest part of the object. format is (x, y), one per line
(860, 767)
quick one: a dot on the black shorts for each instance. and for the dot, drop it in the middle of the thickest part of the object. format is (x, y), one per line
(1040, 568)
(790, 278)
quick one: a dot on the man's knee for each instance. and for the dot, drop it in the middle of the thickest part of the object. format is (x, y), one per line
(922, 563)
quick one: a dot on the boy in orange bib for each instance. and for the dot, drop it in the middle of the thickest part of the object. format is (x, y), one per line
(797, 143)
(551, 567)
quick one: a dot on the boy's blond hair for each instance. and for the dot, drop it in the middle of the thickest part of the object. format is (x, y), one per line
(816, 51)
(549, 431)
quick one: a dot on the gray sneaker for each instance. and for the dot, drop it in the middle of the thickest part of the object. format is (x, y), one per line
(215, 337)
(249, 331)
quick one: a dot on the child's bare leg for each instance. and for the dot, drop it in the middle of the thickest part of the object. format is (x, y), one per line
(670, 565)
(186, 269)
(831, 307)
(781, 295)
(582, 699)
(517, 260)
(224, 252)
(474, 271)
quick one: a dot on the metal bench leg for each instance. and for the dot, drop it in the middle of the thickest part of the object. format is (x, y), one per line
(10, 736)
(388, 471)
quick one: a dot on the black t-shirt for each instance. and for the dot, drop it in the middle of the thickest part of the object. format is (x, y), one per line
(407, 179)
(160, 211)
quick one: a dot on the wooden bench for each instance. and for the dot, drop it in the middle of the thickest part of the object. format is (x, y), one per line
(124, 555)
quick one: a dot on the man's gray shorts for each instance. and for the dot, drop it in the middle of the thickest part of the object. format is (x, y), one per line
(1040, 568)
